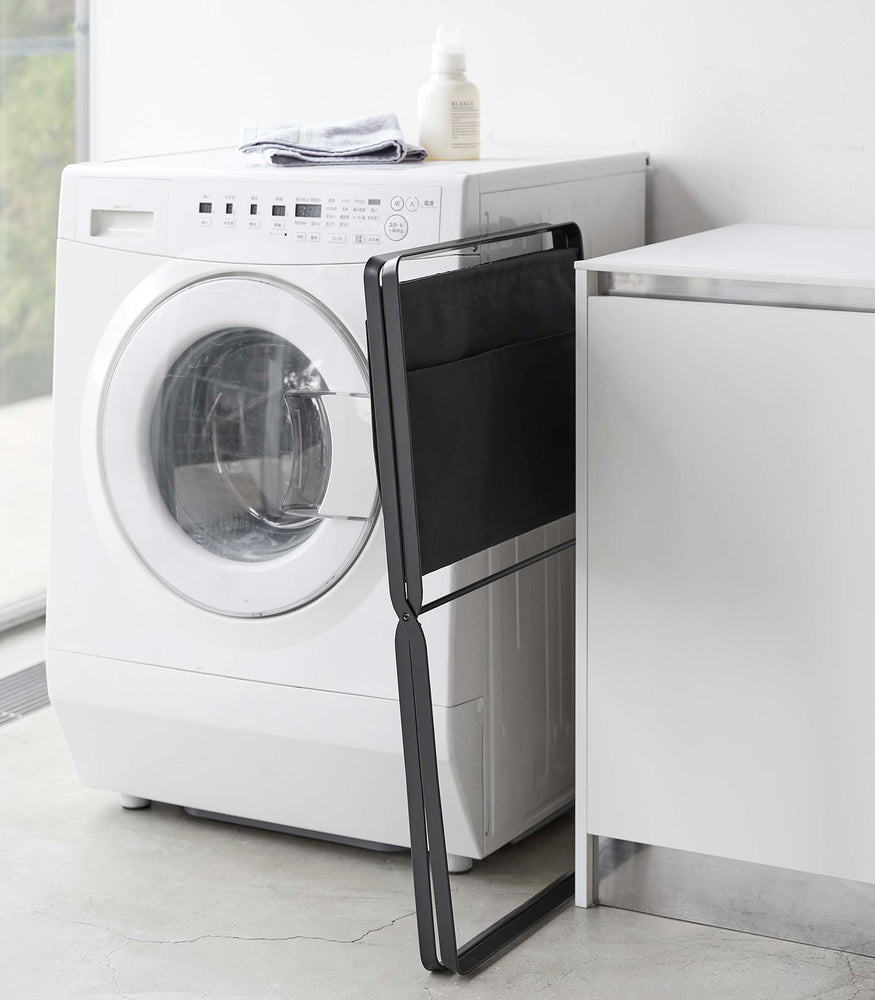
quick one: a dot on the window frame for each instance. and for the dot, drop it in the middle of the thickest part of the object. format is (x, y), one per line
(33, 607)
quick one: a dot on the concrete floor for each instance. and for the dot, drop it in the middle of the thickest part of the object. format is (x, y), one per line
(96, 902)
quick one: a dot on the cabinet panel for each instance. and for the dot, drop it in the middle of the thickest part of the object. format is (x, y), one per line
(731, 581)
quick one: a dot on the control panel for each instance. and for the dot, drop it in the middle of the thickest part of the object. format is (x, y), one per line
(298, 221)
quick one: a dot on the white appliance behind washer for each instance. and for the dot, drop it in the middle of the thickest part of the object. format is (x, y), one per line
(219, 629)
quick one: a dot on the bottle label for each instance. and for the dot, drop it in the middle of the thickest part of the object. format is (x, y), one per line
(465, 124)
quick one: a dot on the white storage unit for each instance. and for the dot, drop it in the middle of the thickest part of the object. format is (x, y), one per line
(726, 627)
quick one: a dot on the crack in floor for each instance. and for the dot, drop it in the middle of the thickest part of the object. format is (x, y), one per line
(858, 989)
(221, 937)
(113, 971)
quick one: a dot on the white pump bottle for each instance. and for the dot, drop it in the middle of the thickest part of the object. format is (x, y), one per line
(449, 104)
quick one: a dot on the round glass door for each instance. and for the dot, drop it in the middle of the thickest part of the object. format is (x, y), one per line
(240, 444)
(229, 422)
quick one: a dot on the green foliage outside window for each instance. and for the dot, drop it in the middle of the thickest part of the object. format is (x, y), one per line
(37, 139)
(36, 17)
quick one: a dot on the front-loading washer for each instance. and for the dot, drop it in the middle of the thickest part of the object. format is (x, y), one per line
(219, 629)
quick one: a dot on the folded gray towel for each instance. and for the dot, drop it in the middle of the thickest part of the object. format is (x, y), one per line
(377, 139)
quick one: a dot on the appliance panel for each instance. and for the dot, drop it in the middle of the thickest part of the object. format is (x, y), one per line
(299, 221)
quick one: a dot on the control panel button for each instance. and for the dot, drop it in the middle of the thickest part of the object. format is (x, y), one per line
(229, 223)
(337, 237)
(277, 225)
(314, 237)
(205, 220)
(412, 204)
(300, 237)
(373, 240)
(396, 227)
(253, 223)
(397, 203)
(359, 239)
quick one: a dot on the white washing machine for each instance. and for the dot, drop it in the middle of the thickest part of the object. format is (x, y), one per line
(219, 629)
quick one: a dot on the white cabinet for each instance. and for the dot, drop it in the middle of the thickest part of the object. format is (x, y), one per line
(726, 646)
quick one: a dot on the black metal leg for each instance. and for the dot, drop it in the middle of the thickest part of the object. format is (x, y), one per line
(427, 836)
(415, 804)
(514, 924)
(431, 793)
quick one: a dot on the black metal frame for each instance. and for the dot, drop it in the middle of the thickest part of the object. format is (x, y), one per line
(392, 439)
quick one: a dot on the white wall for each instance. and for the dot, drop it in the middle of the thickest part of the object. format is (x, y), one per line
(752, 109)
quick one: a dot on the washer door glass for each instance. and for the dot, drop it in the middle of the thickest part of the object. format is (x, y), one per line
(236, 445)
(240, 444)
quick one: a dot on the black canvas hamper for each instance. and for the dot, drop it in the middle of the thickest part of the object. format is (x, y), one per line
(473, 396)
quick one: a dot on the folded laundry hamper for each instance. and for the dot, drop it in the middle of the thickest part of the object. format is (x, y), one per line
(473, 394)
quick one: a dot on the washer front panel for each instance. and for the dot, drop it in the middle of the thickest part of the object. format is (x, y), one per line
(218, 395)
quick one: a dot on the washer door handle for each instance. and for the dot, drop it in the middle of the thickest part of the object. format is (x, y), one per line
(352, 479)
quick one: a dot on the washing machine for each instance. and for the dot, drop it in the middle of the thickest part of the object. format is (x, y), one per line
(220, 635)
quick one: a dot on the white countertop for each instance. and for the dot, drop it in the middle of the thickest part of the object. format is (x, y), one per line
(811, 255)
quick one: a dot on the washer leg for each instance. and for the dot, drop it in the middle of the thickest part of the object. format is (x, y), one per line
(459, 864)
(134, 802)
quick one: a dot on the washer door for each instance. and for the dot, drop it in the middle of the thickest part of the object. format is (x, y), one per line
(236, 445)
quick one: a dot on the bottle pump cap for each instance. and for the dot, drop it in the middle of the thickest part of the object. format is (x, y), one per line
(447, 52)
